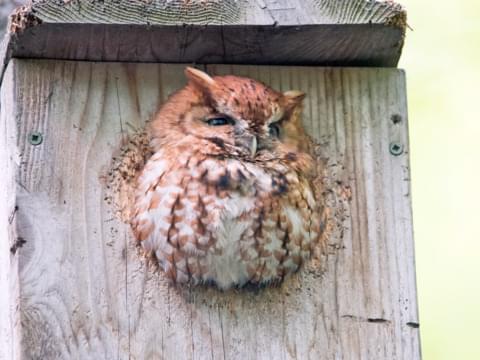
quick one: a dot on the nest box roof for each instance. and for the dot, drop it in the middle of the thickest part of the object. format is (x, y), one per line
(300, 32)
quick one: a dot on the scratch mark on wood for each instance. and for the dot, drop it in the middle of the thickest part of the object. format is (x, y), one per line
(210, 331)
(19, 242)
(363, 319)
(192, 338)
(221, 329)
(378, 320)
(163, 345)
(262, 4)
(119, 110)
(127, 308)
(169, 317)
(12, 215)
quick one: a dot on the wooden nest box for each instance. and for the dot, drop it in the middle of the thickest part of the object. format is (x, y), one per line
(78, 75)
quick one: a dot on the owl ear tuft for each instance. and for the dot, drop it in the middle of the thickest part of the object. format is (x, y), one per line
(199, 78)
(294, 97)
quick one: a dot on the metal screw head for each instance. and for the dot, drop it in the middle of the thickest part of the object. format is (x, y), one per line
(396, 149)
(35, 138)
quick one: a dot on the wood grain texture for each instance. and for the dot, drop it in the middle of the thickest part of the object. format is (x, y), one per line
(218, 12)
(86, 294)
(315, 32)
(10, 242)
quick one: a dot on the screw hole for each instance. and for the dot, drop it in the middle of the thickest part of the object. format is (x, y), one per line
(396, 149)
(396, 119)
(35, 138)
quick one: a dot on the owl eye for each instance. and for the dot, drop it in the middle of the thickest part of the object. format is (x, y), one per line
(220, 120)
(274, 130)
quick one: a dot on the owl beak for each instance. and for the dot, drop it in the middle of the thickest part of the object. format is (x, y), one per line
(253, 146)
(248, 142)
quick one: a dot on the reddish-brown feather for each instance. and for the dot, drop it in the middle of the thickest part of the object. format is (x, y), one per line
(182, 202)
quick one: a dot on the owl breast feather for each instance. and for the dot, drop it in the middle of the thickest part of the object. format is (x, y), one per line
(225, 222)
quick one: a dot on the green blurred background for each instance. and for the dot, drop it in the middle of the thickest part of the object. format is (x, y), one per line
(442, 58)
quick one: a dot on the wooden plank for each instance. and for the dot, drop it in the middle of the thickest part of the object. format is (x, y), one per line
(86, 293)
(10, 241)
(303, 32)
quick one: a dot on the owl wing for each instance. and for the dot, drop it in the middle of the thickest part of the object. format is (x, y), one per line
(170, 216)
(288, 229)
(180, 207)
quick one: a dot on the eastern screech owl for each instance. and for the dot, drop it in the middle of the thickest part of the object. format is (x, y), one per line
(227, 197)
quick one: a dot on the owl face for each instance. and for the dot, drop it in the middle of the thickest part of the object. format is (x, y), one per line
(235, 116)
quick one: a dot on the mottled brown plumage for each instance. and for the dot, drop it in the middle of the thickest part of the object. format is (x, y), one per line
(227, 197)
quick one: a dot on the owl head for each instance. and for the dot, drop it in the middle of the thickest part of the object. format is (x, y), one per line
(230, 116)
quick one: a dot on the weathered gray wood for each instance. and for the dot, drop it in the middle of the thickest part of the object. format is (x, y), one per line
(218, 12)
(315, 32)
(86, 294)
(10, 242)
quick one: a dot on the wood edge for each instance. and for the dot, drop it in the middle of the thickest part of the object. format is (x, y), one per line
(10, 243)
(19, 20)
(414, 325)
(397, 13)
(29, 15)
